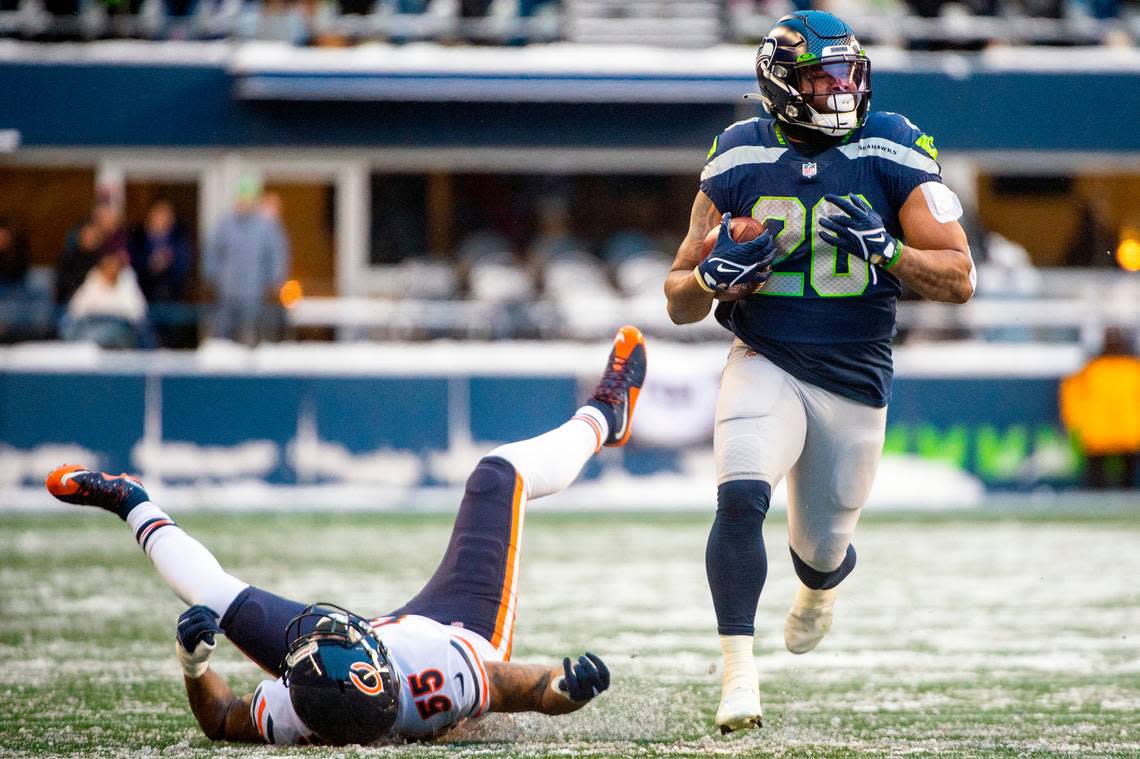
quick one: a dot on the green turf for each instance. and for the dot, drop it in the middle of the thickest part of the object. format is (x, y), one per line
(1008, 634)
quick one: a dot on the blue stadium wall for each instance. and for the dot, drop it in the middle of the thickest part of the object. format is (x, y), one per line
(1001, 429)
(96, 104)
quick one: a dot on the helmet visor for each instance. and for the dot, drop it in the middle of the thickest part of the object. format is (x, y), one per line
(834, 85)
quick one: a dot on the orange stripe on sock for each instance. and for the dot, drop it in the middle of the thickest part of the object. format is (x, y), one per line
(596, 427)
(509, 573)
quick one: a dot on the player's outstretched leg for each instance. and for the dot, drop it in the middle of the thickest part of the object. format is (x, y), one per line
(814, 608)
(550, 462)
(253, 619)
(476, 582)
(189, 569)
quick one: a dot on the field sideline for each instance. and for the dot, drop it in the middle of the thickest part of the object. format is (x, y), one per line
(957, 635)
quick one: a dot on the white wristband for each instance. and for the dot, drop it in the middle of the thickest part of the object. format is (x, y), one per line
(194, 665)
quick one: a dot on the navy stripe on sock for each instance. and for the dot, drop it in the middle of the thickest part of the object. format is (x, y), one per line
(148, 528)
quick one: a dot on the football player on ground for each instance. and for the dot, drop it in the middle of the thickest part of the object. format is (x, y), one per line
(855, 208)
(341, 678)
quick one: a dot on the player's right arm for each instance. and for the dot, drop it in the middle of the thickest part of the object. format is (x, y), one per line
(688, 302)
(221, 715)
(539, 688)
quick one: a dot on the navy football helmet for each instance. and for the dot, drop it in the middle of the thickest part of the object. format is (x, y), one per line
(813, 73)
(342, 681)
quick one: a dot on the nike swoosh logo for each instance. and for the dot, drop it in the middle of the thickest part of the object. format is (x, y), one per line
(68, 477)
(876, 239)
(722, 270)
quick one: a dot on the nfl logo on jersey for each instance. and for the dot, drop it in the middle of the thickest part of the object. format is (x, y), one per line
(809, 170)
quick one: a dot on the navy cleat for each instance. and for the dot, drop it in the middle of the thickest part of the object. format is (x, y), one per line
(118, 495)
(616, 394)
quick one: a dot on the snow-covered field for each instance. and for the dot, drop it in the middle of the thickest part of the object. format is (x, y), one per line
(966, 633)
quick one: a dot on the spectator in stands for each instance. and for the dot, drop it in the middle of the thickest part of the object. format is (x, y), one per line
(108, 308)
(82, 251)
(246, 261)
(108, 217)
(1100, 405)
(13, 258)
(160, 254)
(103, 231)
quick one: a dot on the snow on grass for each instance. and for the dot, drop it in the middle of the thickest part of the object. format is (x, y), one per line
(953, 637)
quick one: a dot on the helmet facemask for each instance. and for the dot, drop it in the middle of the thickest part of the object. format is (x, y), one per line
(828, 93)
(834, 91)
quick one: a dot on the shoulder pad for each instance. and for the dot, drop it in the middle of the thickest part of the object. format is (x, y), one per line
(744, 132)
(899, 129)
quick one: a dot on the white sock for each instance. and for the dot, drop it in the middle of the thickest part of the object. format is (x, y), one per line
(189, 569)
(739, 666)
(550, 462)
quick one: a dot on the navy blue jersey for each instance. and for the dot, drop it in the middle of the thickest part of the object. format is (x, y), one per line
(822, 317)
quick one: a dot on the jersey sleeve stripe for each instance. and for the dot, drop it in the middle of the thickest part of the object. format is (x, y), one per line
(481, 678)
(877, 147)
(740, 156)
(475, 678)
(260, 704)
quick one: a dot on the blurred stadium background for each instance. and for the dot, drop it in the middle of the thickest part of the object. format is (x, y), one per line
(459, 202)
(443, 210)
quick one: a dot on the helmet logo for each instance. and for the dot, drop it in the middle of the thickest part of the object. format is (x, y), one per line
(766, 52)
(369, 673)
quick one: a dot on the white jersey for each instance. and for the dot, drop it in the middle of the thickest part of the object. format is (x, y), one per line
(443, 681)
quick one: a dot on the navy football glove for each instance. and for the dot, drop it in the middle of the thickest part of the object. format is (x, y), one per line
(197, 627)
(740, 265)
(586, 679)
(859, 231)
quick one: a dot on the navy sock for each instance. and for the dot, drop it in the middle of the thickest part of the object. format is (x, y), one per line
(607, 411)
(817, 580)
(135, 496)
(735, 560)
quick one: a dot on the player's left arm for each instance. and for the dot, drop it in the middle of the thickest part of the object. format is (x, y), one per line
(539, 688)
(935, 261)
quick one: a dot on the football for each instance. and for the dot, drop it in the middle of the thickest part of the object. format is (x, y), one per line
(743, 229)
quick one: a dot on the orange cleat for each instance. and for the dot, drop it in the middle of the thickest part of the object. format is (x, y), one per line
(117, 494)
(621, 383)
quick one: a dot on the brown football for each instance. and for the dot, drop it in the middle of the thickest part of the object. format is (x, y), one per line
(743, 228)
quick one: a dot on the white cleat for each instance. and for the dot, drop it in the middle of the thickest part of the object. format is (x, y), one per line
(810, 619)
(739, 709)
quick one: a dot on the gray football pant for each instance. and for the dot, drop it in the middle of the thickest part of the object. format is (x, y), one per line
(770, 424)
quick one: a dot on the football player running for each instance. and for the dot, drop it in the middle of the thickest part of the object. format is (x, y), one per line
(444, 656)
(855, 208)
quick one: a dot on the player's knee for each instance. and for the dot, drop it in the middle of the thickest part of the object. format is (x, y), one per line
(743, 499)
(492, 475)
(814, 572)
